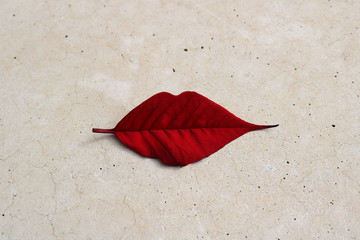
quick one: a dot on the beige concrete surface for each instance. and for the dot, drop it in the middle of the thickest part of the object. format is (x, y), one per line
(69, 66)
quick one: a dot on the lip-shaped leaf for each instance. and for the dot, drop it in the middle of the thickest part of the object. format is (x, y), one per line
(181, 129)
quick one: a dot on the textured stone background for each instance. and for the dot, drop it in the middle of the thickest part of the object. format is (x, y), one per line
(68, 66)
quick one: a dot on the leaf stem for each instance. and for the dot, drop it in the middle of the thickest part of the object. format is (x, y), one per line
(99, 130)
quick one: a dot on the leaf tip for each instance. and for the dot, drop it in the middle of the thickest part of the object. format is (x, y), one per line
(272, 126)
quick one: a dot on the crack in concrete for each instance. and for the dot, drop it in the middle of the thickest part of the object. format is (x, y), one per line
(130, 208)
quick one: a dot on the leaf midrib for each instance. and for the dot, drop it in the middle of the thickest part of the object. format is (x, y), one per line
(163, 129)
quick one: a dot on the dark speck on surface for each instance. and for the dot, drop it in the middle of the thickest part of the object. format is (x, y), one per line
(333, 125)
(185, 49)
(202, 47)
(66, 36)
(173, 70)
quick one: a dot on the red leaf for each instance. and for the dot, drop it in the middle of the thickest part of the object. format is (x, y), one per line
(179, 130)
